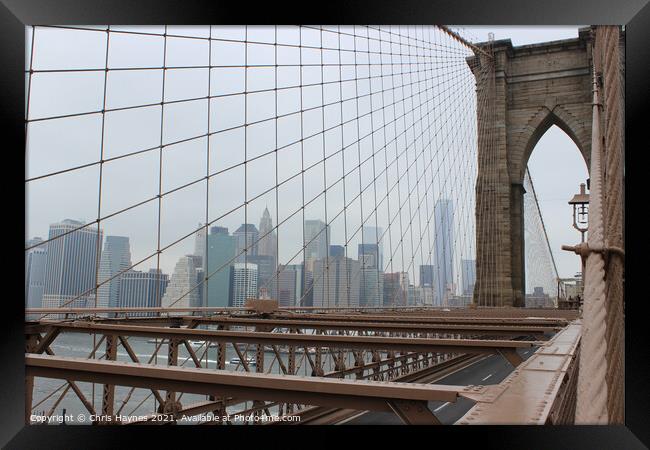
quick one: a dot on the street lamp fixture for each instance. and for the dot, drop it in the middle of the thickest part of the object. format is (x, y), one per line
(580, 204)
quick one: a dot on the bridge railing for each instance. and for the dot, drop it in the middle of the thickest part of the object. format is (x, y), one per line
(125, 355)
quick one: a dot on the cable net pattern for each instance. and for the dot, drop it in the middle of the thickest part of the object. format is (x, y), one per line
(172, 166)
(541, 273)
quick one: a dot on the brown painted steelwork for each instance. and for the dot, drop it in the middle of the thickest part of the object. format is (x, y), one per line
(301, 340)
(363, 395)
(530, 394)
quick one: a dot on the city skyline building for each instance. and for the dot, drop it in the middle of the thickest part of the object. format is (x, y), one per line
(246, 238)
(468, 272)
(427, 275)
(316, 242)
(266, 275)
(200, 244)
(290, 279)
(182, 290)
(339, 286)
(444, 252)
(268, 243)
(35, 260)
(243, 280)
(372, 279)
(316, 239)
(337, 251)
(115, 258)
(71, 264)
(221, 249)
(140, 289)
(396, 288)
(372, 235)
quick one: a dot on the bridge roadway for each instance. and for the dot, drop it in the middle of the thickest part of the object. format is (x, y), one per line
(491, 369)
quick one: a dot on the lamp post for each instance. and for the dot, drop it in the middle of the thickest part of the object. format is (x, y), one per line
(580, 203)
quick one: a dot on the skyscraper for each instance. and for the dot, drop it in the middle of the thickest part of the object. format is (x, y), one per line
(266, 274)
(316, 239)
(444, 247)
(426, 275)
(142, 289)
(396, 288)
(71, 264)
(339, 286)
(115, 258)
(243, 280)
(468, 268)
(246, 237)
(290, 281)
(200, 243)
(372, 279)
(268, 244)
(35, 260)
(267, 257)
(220, 252)
(337, 251)
(372, 235)
(182, 290)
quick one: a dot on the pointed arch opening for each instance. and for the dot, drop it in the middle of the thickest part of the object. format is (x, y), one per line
(557, 165)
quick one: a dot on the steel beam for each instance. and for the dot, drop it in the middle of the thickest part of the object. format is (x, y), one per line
(414, 326)
(360, 395)
(413, 412)
(302, 340)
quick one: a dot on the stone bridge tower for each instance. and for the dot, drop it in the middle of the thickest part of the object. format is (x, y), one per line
(521, 92)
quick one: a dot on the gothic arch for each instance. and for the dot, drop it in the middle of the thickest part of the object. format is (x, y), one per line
(540, 124)
(534, 87)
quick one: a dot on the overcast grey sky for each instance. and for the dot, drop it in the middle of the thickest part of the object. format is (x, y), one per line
(68, 142)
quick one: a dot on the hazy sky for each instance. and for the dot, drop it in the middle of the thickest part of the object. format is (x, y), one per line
(69, 142)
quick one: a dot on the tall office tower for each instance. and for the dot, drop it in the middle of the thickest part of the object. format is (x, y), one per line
(35, 259)
(71, 264)
(316, 239)
(443, 213)
(372, 235)
(268, 244)
(307, 297)
(468, 268)
(426, 294)
(246, 237)
(413, 295)
(142, 290)
(221, 250)
(290, 281)
(182, 290)
(339, 286)
(337, 251)
(200, 279)
(396, 288)
(426, 275)
(267, 283)
(371, 276)
(116, 258)
(200, 243)
(243, 280)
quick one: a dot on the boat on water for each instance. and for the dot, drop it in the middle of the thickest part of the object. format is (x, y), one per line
(192, 343)
(235, 361)
(202, 343)
(285, 350)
